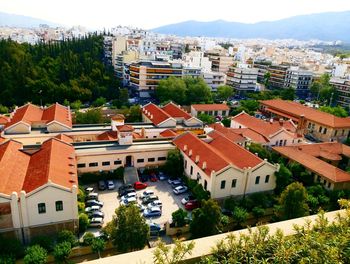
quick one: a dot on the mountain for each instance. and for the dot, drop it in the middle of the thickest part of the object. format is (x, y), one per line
(322, 26)
(12, 20)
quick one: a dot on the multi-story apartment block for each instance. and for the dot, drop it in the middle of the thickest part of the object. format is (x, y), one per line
(220, 61)
(121, 64)
(262, 68)
(197, 59)
(177, 50)
(214, 79)
(242, 78)
(277, 76)
(343, 91)
(300, 80)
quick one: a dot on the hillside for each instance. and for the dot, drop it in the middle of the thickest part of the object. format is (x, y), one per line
(12, 20)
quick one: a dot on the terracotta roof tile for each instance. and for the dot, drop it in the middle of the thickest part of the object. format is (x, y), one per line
(108, 135)
(168, 133)
(175, 111)
(64, 138)
(210, 107)
(227, 132)
(59, 113)
(251, 134)
(125, 128)
(155, 114)
(4, 120)
(295, 110)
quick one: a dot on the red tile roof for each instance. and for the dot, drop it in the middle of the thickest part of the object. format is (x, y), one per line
(168, 133)
(155, 114)
(64, 138)
(4, 120)
(175, 111)
(210, 107)
(227, 132)
(308, 156)
(251, 134)
(296, 110)
(108, 135)
(125, 128)
(30, 113)
(54, 161)
(218, 154)
(2, 140)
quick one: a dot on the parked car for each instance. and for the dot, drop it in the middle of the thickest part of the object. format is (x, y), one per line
(146, 193)
(141, 207)
(171, 181)
(89, 189)
(156, 203)
(152, 212)
(91, 209)
(110, 185)
(187, 199)
(94, 214)
(128, 201)
(96, 222)
(129, 195)
(124, 187)
(153, 177)
(93, 203)
(140, 185)
(154, 229)
(92, 196)
(192, 205)
(102, 185)
(126, 191)
(180, 189)
(162, 176)
(149, 199)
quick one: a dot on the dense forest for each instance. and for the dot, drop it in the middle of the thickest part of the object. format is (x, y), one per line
(52, 72)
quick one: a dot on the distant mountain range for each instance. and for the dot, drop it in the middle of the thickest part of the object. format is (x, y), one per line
(12, 20)
(324, 26)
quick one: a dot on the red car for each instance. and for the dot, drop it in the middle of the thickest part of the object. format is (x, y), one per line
(153, 177)
(192, 205)
(140, 185)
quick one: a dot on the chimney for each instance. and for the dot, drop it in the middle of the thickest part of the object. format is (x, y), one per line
(197, 159)
(190, 153)
(185, 148)
(271, 120)
(204, 165)
(256, 154)
(281, 121)
(151, 116)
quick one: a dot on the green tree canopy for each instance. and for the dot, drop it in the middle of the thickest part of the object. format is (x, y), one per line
(336, 110)
(97, 246)
(174, 164)
(171, 89)
(206, 119)
(224, 92)
(283, 178)
(197, 91)
(62, 251)
(91, 116)
(179, 217)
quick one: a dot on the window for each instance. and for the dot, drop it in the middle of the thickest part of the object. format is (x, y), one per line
(284, 142)
(81, 165)
(59, 206)
(161, 158)
(320, 129)
(234, 183)
(93, 164)
(257, 179)
(117, 162)
(215, 113)
(324, 130)
(281, 142)
(185, 164)
(276, 143)
(140, 160)
(41, 208)
(335, 133)
(205, 184)
(224, 113)
(343, 132)
(223, 183)
(106, 163)
(267, 178)
(191, 171)
(198, 176)
(151, 159)
(329, 185)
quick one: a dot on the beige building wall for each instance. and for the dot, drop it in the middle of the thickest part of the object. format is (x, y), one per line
(326, 133)
(19, 128)
(57, 127)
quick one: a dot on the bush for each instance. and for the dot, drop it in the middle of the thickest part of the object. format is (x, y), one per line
(88, 238)
(179, 217)
(81, 207)
(258, 212)
(3, 109)
(200, 193)
(7, 259)
(83, 222)
(45, 242)
(35, 255)
(81, 194)
(11, 247)
(93, 177)
(230, 204)
(67, 236)
(62, 251)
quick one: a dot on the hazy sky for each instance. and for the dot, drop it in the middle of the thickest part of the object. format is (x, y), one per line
(152, 13)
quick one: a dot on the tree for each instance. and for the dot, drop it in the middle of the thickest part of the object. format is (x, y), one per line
(46, 242)
(323, 90)
(179, 217)
(10, 247)
(239, 215)
(67, 236)
(91, 116)
(3, 109)
(258, 149)
(224, 92)
(293, 201)
(123, 96)
(35, 255)
(76, 105)
(197, 91)
(128, 230)
(99, 102)
(288, 94)
(83, 222)
(200, 193)
(283, 178)
(174, 164)
(267, 77)
(206, 119)
(226, 122)
(176, 254)
(337, 110)
(134, 114)
(206, 220)
(97, 246)
(88, 238)
(62, 251)
(171, 89)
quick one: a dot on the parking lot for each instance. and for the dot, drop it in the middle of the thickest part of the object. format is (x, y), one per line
(170, 201)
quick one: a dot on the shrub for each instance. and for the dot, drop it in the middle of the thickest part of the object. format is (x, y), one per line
(67, 236)
(11, 247)
(230, 203)
(81, 207)
(81, 195)
(179, 217)
(35, 255)
(45, 242)
(258, 212)
(83, 222)
(88, 238)
(62, 251)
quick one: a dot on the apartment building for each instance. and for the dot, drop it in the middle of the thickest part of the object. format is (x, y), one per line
(300, 80)
(121, 64)
(342, 87)
(224, 168)
(210, 109)
(317, 124)
(219, 60)
(214, 79)
(198, 60)
(38, 190)
(242, 78)
(262, 68)
(277, 76)
(322, 161)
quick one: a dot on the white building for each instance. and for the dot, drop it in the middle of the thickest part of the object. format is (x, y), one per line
(214, 79)
(242, 78)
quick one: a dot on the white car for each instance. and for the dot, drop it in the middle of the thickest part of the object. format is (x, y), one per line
(185, 200)
(156, 203)
(96, 222)
(171, 181)
(110, 185)
(146, 193)
(129, 195)
(128, 201)
(94, 208)
(180, 189)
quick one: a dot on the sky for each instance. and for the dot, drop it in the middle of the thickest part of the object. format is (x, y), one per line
(147, 14)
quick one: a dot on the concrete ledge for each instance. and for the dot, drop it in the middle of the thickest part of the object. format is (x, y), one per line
(203, 246)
